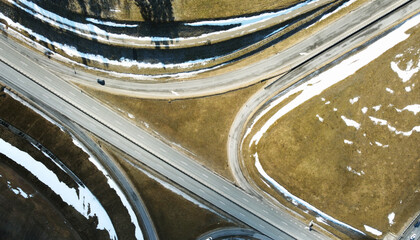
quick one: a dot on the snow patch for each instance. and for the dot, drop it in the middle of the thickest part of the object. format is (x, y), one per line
(334, 75)
(18, 191)
(111, 24)
(81, 198)
(295, 200)
(377, 108)
(350, 122)
(113, 185)
(320, 118)
(391, 217)
(243, 21)
(364, 110)
(354, 100)
(373, 231)
(415, 108)
(406, 74)
(389, 90)
(321, 220)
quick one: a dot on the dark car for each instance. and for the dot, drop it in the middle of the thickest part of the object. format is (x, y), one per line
(417, 224)
(101, 81)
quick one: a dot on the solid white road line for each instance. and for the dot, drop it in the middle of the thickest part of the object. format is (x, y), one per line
(24, 64)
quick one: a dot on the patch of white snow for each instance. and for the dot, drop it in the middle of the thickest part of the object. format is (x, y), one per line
(354, 100)
(350, 122)
(373, 231)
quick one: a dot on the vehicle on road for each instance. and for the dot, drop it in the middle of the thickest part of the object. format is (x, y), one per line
(101, 81)
(417, 224)
(413, 237)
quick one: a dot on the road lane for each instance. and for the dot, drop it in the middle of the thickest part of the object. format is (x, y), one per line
(147, 151)
(291, 80)
(266, 68)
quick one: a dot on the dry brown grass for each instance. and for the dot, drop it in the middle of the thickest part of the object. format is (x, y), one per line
(173, 216)
(310, 158)
(187, 10)
(200, 125)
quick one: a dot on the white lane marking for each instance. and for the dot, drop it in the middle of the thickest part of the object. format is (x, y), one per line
(119, 123)
(46, 78)
(285, 224)
(1, 49)
(261, 226)
(242, 214)
(45, 95)
(163, 150)
(137, 152)
(72, 94)
(265, 211)
(24, 64)
(94, 108)
(205, 175)
(225, 187)
(184, 163)
(201, 190)
(246, 200)
(140, 136)
(222, 203)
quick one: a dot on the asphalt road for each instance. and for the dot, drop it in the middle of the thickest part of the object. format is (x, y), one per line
(290, 80)
(412, 232)
(225, 233)
(268, 67)
(110, 126)
(294, 78)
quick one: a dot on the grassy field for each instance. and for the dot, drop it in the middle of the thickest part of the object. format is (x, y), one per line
(376, 173)
(200, 125)
(173, 216)
(61, 145)
(187, 10)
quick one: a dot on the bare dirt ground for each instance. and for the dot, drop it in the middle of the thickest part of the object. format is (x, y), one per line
(359, 176)
(173, 216)
(199, 125)
(31, 217)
